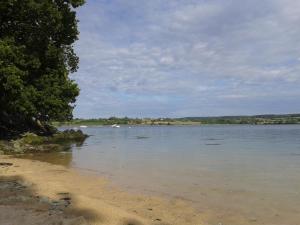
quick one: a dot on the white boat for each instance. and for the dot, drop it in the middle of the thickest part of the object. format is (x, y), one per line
(115, 126)
(83, 126)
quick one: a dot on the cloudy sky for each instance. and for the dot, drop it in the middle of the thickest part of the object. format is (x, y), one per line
(174, 58)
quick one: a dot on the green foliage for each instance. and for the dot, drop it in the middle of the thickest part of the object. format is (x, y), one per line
(257, 119)
(101, 121)
(36, 57)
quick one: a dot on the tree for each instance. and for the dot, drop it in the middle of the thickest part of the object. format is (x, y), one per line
(36, 58)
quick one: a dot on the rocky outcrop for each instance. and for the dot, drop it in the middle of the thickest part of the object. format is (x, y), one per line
(30, 142)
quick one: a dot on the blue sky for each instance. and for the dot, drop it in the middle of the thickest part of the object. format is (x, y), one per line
(175, 58)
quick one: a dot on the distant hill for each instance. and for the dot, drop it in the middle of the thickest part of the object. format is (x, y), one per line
(265, 116)
(255, 119)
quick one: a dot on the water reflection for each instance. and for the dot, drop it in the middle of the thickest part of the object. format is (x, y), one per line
(63, 157)
(240, 175)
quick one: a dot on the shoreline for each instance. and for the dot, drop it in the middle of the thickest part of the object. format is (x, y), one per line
(72, 126)
(81, 198)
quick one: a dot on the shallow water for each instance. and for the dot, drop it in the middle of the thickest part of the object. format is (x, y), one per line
(234, 175)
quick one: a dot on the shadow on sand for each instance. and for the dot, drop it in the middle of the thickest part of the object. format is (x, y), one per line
(19, 204)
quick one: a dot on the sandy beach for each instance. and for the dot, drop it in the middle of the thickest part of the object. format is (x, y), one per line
(34, 192)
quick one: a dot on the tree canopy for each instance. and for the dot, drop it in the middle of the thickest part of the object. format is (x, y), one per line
(36, 58)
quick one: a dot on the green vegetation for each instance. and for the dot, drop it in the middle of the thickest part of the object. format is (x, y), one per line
(101, 121)
(258, 119)
(36, 57)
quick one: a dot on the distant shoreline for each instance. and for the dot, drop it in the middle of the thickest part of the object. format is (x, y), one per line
(222, 120)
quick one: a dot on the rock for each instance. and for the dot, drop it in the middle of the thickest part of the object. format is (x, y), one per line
(69, 135)
(5, 164)
(31, 143)
(44, 199)
(32, 139)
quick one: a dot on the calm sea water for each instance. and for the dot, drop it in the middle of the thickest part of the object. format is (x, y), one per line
(233, 174)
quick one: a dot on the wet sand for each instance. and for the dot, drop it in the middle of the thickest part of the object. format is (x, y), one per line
(34, 192)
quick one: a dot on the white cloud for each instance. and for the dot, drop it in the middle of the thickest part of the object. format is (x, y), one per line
(187, 51)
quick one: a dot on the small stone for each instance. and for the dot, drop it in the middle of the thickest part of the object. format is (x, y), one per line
(5, 164)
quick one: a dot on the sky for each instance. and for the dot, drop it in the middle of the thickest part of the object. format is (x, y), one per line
(177, 58)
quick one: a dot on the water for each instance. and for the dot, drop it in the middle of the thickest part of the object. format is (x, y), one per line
(233, 175)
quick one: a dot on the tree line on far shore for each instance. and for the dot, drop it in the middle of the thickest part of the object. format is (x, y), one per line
(255, 120)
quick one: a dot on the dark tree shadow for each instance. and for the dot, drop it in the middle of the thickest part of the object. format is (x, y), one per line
(19, 204)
